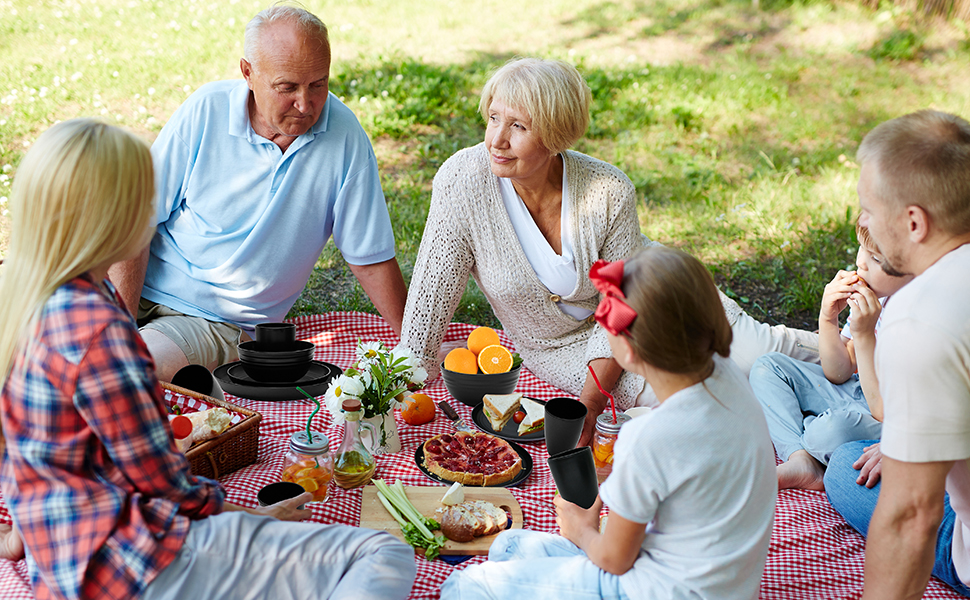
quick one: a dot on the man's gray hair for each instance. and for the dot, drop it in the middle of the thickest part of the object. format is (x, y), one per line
(308, 23)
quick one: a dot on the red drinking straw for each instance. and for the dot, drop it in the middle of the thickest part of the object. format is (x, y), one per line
(605, 393)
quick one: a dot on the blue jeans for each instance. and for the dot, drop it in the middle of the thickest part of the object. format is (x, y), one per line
(536, 565)
(806, 411)
(857, 502)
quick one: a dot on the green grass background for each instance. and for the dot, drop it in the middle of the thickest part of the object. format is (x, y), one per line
(737, 125)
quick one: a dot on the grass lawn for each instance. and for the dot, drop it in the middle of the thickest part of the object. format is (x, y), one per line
(738, 126)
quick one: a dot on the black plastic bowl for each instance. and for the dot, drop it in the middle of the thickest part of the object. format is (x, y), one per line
(469, 389)
(276, 366)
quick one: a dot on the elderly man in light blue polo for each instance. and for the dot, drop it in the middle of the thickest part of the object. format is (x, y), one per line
(253, 177)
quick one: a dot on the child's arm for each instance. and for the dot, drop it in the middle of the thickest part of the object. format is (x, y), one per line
(865, 309)
(615, 550)
(838, 364)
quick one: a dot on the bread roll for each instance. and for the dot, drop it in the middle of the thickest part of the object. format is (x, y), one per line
(458, 524)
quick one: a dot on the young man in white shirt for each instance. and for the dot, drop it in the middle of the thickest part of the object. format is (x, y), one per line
(914, 191)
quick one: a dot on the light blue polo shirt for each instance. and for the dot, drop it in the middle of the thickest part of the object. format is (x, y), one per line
(241, 224)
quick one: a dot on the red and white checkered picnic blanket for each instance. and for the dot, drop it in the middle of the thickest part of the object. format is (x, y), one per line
(813, 554)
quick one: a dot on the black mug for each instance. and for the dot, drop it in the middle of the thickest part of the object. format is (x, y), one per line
(575, 474)
(564, 422)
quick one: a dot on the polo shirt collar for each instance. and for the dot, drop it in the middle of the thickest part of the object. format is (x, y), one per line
(240, 126)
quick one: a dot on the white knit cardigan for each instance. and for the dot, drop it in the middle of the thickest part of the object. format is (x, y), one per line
(469, 232)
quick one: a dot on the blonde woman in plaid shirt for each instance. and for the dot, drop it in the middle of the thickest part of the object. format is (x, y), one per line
(105, 504)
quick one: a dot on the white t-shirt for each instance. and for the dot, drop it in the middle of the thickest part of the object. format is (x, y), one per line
(923, 364)
(555, 271)
(700, 471)
(847, 330)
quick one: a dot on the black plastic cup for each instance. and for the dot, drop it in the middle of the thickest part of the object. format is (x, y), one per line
(575, 474)
(278, 492)
(564, 424)
(198, 379)
(275, 336)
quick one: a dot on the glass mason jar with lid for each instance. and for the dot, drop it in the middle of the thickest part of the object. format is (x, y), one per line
(603, 439)
(309, 463)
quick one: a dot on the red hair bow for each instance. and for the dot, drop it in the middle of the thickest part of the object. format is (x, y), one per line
(613, 314)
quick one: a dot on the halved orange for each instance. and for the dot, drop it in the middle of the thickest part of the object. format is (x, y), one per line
(494, 359)
(461, 360)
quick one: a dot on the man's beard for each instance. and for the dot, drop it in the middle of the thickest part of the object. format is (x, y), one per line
(888, 269)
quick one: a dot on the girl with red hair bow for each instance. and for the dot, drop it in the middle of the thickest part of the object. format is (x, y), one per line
(692, 493)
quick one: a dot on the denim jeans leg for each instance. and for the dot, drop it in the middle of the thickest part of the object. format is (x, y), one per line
(789, 389)
(538, 565)
(853, 501)
(835, 427)
(943, 567)
(856, 504)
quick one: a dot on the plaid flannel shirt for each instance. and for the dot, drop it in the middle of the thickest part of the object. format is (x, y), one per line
(91, 473)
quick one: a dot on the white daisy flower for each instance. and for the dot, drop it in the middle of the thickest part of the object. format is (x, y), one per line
(418, 376)
(369, 351)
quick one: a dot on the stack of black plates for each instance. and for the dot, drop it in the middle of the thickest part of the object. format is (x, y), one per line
(234, 380)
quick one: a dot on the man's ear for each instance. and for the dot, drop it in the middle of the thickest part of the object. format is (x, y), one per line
(247, 71)
(918, 223)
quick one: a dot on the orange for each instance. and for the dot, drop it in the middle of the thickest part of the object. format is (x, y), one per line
(603, 454)
(482, 338)
(419, 409)
(494, 359)
(461, 360)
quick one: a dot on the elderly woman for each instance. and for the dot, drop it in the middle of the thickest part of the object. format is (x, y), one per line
(527, 217)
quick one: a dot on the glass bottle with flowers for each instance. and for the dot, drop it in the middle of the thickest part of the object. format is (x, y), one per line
(379, 378)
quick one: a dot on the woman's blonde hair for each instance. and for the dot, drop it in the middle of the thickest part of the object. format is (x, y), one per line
(82, 197)
(553, 93)
(680, 321)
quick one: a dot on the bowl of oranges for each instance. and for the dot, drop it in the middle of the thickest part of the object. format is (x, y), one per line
(484, 366)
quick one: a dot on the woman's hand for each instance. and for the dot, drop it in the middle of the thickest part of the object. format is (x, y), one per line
(285, 510)
(608, 372)
(575, 521)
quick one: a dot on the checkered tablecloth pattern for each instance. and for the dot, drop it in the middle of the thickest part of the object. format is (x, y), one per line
(814, 553)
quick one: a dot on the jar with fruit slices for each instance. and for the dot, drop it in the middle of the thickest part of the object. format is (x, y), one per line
(309, 463)
(603, 439)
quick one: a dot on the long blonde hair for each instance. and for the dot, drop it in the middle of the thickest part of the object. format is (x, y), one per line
(81, 196)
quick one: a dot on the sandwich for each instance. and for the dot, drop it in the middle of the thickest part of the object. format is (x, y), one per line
(499, 408)
(535, 416)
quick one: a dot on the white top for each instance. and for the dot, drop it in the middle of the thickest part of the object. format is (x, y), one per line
(923, 363)
(847, 329)
(556, 271)
(699, 470)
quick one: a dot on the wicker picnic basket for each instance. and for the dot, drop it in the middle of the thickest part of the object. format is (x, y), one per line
(234, 449)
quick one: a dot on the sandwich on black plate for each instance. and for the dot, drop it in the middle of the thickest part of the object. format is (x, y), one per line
(499, 408)
(535, 416)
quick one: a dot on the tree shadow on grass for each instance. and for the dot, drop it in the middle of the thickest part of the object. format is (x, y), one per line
(730, 22)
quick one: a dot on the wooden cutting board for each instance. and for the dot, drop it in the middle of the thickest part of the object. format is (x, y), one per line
(427, 500)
